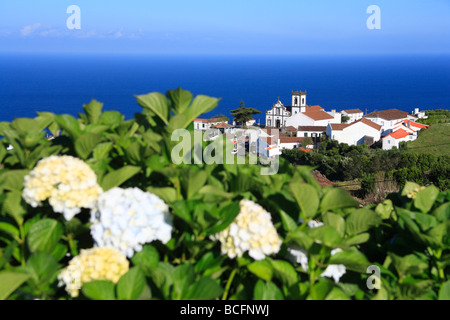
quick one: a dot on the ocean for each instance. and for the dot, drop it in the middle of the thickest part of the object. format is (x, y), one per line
(63, 83)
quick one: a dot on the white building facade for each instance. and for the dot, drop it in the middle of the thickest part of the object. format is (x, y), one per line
(356, 133)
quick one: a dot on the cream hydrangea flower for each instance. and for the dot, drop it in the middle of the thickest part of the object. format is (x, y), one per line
(126, 219)
(93, 264)
(251, 231)
(67, 182)
(298, 255)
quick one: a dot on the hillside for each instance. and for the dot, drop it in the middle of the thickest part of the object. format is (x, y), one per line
(435, 140)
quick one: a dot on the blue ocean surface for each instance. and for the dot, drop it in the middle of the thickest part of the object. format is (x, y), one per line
(63, 83)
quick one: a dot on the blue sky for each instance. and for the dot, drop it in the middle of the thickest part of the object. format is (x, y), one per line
(226, 27)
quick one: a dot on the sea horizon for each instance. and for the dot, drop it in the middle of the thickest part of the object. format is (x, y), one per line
(63, 82)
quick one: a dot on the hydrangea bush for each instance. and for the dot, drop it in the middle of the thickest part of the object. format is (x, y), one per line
(102, 212)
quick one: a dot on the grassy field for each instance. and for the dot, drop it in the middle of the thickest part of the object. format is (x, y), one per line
(434, 140)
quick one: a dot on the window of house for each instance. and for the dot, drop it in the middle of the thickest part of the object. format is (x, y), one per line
(306, 134)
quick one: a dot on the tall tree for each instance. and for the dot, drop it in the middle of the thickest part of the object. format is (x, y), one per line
(221, 117)
(243, 114)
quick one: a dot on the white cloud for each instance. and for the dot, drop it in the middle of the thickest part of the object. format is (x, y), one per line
(28, 30)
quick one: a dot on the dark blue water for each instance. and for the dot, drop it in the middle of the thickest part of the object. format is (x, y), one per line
(63, 83)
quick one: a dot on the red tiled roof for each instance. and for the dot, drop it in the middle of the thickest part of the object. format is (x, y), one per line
(313, 108)
(290, 128)
(391, 114)
(284, 139)
(342, 126)
(318, 115)
(399, 134)
(369, 123)
(312, 128)
(413, 124)
(350, 111)
(339, 126)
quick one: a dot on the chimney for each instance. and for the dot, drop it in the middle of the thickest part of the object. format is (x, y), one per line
(409, 124)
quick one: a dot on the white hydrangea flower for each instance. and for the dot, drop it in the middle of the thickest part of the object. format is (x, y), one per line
(251, 231)
(67, 182)
(93, 264)
(126, 219)
(299, 255)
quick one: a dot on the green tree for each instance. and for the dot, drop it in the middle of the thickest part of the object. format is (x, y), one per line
(344, 119)
(244, 114)
(221, 117)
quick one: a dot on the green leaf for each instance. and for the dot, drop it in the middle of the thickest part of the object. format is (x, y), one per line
(99, 290)
(288, 223)
(266, 291)
(204, 289)
(85, 143)
(12, 179)
(10, 281)
(327, 235)
(444, 291)
(10, 229)
(337, 198)
(201, 104)
(180, 99)
(306, 197)
(352, 259)
(442, 213)
(101, 151)
(116, 178)
(131, 284)
(385, 209)
(425, 198)
(42, 267)
(358, 239)
(320, 290)
(228, 213)
(167, 194)
(262, 269)
(157, 103)
(14, 206)
(408, 265)
(93, 110)
(44, 235)
(111, 118)
(285, 272)
(361, 220)
(337, 294)
(147, 258)
(335, 221)
(69, 124)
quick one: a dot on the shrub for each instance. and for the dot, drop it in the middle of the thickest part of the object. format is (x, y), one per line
(323, 245)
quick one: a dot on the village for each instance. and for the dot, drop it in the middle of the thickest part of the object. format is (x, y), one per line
(300, 126)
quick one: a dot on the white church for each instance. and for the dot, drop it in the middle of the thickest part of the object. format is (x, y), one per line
(299, 114)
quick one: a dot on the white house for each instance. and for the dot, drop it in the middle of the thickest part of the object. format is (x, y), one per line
(353, 114)
(419, 114)
(388, 119)
(393, 139)
(205, 124)
(311, 131)
(359, 132)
